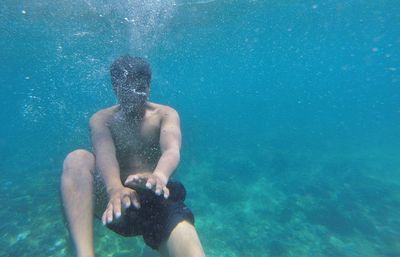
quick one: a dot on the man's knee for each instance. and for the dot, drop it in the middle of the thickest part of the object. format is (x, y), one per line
(78, 161)
(183, 241)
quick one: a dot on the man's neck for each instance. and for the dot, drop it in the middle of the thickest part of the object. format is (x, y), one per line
(136, 115)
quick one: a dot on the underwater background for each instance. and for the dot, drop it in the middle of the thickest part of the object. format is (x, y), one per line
(289, 112)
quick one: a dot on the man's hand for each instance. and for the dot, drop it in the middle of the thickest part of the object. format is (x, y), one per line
(153, 181)
(123, 197)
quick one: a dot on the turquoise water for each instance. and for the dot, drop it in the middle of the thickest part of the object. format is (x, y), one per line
(289, 110)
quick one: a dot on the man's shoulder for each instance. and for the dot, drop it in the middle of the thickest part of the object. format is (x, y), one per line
(103, 115)
(161, 109)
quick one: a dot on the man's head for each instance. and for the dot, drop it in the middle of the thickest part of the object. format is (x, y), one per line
(130, 78)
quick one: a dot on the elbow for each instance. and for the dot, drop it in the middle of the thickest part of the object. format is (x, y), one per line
(177, 155)
(174, 154)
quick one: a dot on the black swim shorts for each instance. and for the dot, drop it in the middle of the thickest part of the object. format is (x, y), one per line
(156, 218)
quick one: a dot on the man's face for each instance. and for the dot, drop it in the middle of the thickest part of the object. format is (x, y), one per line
(133, 94)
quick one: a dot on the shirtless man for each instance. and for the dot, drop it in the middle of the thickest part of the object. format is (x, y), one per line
(126, 181)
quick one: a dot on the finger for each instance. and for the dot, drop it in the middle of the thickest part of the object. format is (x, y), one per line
(166, 192)
(132, 179)
(129, 179)
(142, 175)
(117, 208)
(109, 216)
(126, 201)
(150, 184)
(159, 188)
(106, 215)
(135, 199)
(143, 179)
(138, 183)
(137, 180)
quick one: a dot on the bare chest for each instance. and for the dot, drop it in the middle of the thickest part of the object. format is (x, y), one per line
(135, 137)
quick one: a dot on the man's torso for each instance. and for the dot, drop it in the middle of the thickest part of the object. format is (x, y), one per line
(136, 141)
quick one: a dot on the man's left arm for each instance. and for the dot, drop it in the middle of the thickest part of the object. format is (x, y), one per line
(170, 144)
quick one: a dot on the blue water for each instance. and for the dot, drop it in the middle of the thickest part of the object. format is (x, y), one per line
(289, 111)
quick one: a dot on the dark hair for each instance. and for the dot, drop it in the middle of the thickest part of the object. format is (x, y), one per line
(128, 68)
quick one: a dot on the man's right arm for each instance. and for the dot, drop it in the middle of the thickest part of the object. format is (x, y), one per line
(107, 164)
(104, 150)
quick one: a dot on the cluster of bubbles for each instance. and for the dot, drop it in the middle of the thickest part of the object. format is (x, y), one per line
(75, 65)
(32, 108)
(147, 20)
(85, 71)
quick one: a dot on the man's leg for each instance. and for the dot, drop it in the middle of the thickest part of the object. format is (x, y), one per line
(183, 242)
(77, 196)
